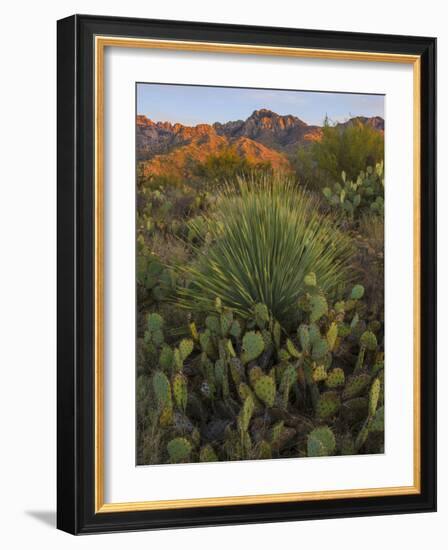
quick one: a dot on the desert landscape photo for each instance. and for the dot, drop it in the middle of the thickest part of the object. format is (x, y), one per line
(259, 274)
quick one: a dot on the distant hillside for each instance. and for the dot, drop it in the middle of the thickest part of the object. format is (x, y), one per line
(264, 137)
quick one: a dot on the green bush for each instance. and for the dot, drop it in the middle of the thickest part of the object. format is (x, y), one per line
(266, 235)
(348, 149)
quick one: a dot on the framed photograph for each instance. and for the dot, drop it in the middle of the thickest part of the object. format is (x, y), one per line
(246, 274)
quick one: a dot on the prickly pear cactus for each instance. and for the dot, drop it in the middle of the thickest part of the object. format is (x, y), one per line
(207, 454)
(328, 405)
(179, 449)
(162, 388)
(321, 442)
(265, 390)
(253, 346)
(368, 340)
(355, 385)
(319, 307)
(180, 391)
(238, 389)
(319, 373)
(335, 378)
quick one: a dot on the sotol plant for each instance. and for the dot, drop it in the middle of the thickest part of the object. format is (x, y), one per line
(266, 234)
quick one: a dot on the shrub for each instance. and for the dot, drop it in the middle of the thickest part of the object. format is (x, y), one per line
(267, 234)
(348, 148)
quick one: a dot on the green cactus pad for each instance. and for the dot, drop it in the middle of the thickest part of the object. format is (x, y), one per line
(246, 414)
(374, 396)
(277, 334)
(157, 337)
(264, 450)
(332, 335)
(292, 350)
(368, 340)
(162, 388)
(355, 385)
(155, 322)
(321, 442)
(243, 391)
(213, 324)
(194, 331)
(304, 338)
(319, 307)
(255, 374)
(226, 321)
(261, 314)
(361, 438)
(166, 357)
(179, 449)
(265, 390)
(236, 370)
(319, 373)
(319, 349)
(235, 329)
(377, 424)
(166, 416)
(343, 330)
(178, 363)
(180, 391)
(185, 348)
(328, 405)
(357, 292)
(335, 378)
(253, 346)
(207, 454)
(310, 279)
(276, 431)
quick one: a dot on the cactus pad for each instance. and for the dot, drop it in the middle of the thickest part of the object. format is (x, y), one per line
(328, 405)
(319, 373)
(321, 442)
(255, 374)
(320, 348)
(335, 378)
(179, 449)
(310, 279)
(261, 313)
(185, 348)
(207, 454)
(253, 346)
(246, 414)
(292, 350)
(332, 335)
(265, 390)
(180, 391)
(162, 388)
(374, 396)
(166, 357)
(368, 340)
(357, 292)
(304, 338)
(377, 424)
(155, 322)
(319, 307)
(355, 385)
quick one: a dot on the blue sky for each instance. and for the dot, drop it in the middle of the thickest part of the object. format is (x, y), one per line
(191, 105)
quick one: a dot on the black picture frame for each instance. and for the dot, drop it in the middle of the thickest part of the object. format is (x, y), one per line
(76, 254)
